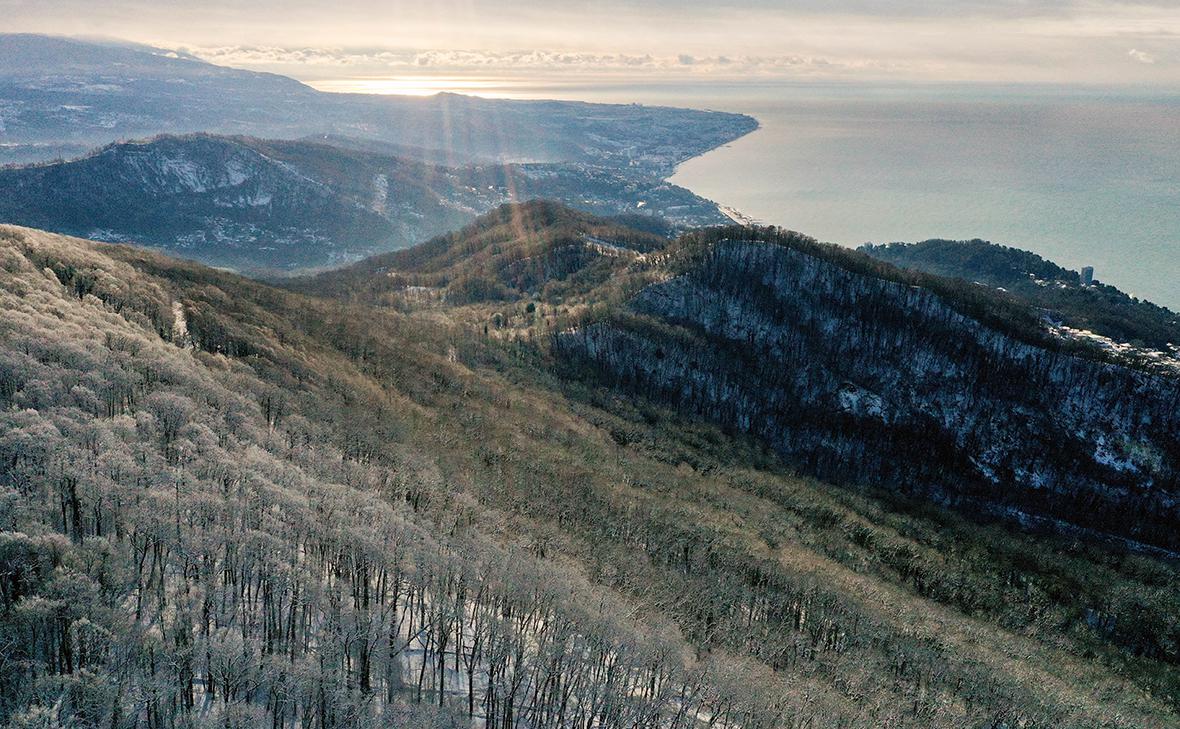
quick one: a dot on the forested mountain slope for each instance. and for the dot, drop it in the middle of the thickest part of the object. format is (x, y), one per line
(1096, 307)
(537, 250)
(845, 365)
(246, 536)
(225, 504)
(273, 206)
(62, 96)
(870, 375)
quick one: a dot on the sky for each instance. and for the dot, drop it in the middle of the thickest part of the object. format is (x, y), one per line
(1001, 41)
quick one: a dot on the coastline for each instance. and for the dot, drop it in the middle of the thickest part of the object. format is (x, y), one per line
(728, 211)
(736, 215)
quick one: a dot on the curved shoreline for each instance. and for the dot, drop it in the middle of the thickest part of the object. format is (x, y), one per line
(728, 211)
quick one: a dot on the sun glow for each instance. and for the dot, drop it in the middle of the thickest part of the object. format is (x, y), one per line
(422, 86)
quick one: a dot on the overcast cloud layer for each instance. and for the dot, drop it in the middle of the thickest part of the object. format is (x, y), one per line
(1062, 41)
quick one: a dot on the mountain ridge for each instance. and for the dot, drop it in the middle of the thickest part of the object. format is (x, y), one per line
(277, 206)
(536, 250)
(1094, 306)
(317, 430)
(847, 374)
(842, 363)
(81, 102)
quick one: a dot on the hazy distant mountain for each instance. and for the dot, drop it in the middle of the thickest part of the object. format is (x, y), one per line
(60, 95)
(231, 202)
(275, 206)
(371, 173)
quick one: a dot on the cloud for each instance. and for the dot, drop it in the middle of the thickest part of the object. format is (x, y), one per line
(1031, 41)
(366, 61)
(1141, 56)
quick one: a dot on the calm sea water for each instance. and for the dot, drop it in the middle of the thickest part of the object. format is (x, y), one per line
(1083, 177)
(1080, 179)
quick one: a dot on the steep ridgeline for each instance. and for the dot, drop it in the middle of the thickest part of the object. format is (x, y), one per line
(537, 250)
(1087, 307)
(62, 96)
(856, 374)
(281, 206)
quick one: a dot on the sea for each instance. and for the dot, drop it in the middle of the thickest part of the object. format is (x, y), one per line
(1083, 176)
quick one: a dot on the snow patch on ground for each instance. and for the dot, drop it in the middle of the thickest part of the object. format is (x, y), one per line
(380, 194)
(611, 250)
(107, 236)
(256, 199)
(1152, 357)
(851, 398)
(179, 324)
(186, 173)
(236, 172)
(1108, 455)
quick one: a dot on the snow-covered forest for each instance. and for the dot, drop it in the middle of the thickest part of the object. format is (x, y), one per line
(182, 547)
(226, 504)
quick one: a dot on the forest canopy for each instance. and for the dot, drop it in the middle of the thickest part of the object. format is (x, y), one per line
(226, 504)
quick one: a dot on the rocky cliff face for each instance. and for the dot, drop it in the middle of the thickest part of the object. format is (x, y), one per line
(865, 379)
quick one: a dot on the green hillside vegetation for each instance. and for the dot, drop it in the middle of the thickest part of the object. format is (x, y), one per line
(324, 513)
(1099, 307)
(533, 250)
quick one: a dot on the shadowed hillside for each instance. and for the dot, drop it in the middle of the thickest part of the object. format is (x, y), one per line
(850, 374)
(277, 207)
